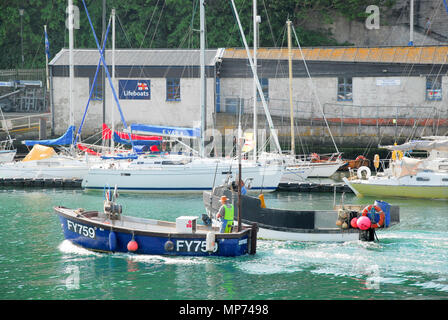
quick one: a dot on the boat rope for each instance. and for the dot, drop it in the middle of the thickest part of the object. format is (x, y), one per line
(93, 86)
(108, 75)
(314, 89)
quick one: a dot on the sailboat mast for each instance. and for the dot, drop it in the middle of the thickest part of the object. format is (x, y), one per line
(254, 82)
(46, 64)
(112, 141)
(71, 62)
(203, 79)
(291, 111)
(260, 91)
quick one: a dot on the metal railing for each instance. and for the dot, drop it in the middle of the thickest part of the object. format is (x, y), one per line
(25, 123)
(309, 110)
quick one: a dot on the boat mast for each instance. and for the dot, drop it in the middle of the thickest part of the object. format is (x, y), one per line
(260, 91)
(71, 63)
(203, 79)
(291, 111)
(255, 18)
(411, 23)
(112, 141)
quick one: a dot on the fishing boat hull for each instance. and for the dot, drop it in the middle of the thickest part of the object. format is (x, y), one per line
(292, 225)
(89, 230)
(191, 177)
(7, 155)
(410, 187)
(287, 234)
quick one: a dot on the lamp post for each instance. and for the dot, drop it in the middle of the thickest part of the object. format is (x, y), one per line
(21, 11)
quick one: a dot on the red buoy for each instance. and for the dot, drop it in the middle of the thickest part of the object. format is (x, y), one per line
(132, 245)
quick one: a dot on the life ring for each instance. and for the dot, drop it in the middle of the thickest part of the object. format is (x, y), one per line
(378, 210)
(360, 158)
(376, 161)
(366, 169)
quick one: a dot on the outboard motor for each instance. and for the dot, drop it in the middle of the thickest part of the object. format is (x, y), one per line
(112, 209)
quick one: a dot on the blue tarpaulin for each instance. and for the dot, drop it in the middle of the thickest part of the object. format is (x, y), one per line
(66, 139)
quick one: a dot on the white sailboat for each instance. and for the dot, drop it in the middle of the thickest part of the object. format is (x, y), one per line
(42, 161)
(186, 173)
(408, 177)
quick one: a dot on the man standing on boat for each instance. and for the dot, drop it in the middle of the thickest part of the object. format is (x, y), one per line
(226, 213)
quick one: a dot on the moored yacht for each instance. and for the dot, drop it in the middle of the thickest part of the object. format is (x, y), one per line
(408, 177)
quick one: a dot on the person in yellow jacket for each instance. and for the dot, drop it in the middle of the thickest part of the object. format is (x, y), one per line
(226, 213)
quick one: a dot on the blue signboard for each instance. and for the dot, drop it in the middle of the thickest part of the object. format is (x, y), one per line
(134, 89)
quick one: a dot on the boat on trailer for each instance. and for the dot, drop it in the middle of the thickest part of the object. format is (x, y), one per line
(110, 231)
(298, 225)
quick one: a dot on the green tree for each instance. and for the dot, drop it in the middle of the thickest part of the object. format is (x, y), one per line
(164, 24)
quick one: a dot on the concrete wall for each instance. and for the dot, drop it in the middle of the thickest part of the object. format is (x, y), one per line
(405, 92)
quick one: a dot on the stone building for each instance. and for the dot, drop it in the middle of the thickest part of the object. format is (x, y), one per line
(361, 92)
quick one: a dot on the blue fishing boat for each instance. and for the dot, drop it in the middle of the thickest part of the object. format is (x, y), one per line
(110, 231)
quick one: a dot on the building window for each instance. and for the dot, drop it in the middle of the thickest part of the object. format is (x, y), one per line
(264, 82)
(345, 89)
(173, 89)
(433, 88)
(233, 105)
(97, 93)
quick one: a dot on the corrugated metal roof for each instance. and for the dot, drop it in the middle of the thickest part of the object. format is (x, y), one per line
(142, 57)
(417, 55)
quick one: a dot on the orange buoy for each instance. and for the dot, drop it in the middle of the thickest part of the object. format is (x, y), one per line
(354, 223)
(132, 245)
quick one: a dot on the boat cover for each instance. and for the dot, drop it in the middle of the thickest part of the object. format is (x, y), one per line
(179, 132)
(39, 152)
(428, 145)
(407, 166)
(66, 139)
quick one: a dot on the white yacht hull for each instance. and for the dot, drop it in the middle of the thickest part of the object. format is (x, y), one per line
(45, 169)
(7, 155)
(197, 175)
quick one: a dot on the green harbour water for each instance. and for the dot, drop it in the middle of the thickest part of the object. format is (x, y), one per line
(36, 263)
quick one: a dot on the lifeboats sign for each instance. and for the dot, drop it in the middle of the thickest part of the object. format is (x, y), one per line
(134, 89)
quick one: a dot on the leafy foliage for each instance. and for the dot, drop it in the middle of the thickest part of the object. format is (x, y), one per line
(163, 24)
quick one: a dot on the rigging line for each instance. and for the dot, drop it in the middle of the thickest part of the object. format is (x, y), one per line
(157, 25)
(107, 73)
(144, 37)
(269, 24)
(314, 90)
(124, 31)
(149, 24)
(424, 40)
(78, 134)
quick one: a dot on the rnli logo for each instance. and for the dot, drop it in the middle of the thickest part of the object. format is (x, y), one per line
(142, 86)
(134, 89)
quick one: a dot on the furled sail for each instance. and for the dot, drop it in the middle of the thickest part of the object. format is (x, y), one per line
(123, 138)
(178, 132)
